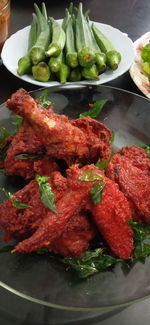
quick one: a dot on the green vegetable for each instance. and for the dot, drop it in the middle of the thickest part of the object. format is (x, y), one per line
(58, 39)
(41, 71)
(96, 109)
(113, 57)
(37, 52)
(43, 99)
(75, 75)
(24, 63)
(4, 134)
(17, 121)
(96, 192)
(102, 164)
(100, 58)
(90, 73)
(145, 53)
(146, 69)
(71, 54)
(86, 54)
(112, 136)
(88, 175)
(56, 62)
(141, 232)
(90, 262)
(15, 203)
(146, 148)
(3, 150)
(47, 195)
(65, 20)
(64, 73)
(28, 156)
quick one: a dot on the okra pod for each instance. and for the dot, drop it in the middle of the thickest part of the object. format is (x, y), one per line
(55, 63)
(86, 54)
(90, 73)
(58, 39)
(71, 54)
(113, 57)
(41, 72)
(37, 52)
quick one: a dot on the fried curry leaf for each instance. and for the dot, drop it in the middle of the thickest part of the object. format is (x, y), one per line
(3, 150)
(15, 203)
(89, 175)
(47, 195)
(28, 156)
(102, 165)
(141, 233)
(3, 134)
(90, 262)
(96, 192)
(146, 148)
(112, 137)
(43, 99)
(96, 109)
(17, 121)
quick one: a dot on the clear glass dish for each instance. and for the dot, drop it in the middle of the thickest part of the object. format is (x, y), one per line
(44, 280)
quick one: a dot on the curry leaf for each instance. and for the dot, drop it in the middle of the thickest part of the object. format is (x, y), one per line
(15, 203)
(102, 164)
(146, 148)
(90, 262)
(47, 195)
(17, 121)
(96, 109)
(89, 175)
(3, 150)
(96, 192)
(30, 156)
(43, 99)
(141, 233)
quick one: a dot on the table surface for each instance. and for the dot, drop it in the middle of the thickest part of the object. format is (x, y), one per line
(131, 17)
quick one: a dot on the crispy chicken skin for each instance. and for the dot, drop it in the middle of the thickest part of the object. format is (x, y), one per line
(133, 183)
(57, 231)
(76, 237)
(137, 156)
(61, 138)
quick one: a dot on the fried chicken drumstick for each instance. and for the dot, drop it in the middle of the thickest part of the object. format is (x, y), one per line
(59, 137)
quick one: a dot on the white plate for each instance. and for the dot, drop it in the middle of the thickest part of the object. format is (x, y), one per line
(136, 71)
(16, 47)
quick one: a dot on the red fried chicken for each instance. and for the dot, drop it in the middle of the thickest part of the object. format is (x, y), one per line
(137, 156)
(111, 217)
(61, 138)
(26, 141)
(133, 183)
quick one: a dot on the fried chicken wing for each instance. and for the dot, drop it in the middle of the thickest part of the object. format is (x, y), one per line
(111, 215)
(76, 238)
(133, 183)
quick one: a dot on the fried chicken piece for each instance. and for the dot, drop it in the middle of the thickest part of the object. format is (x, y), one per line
(111, 215)
(137, 156)
(60, 137)
(20, 223)
(99, 136)
(26, 141)
(75, 239)
(133, 183)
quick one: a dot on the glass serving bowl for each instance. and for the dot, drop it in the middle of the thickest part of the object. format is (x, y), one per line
(43, 280)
